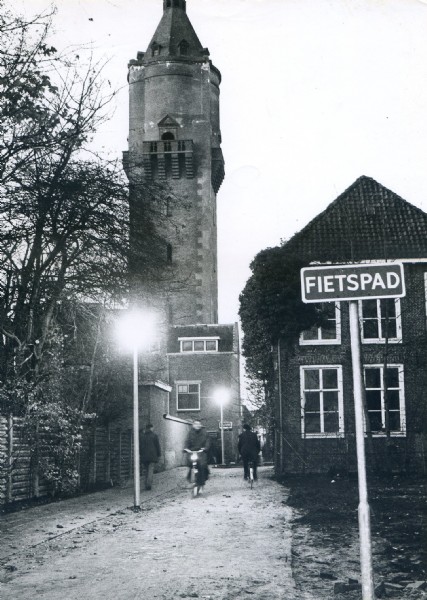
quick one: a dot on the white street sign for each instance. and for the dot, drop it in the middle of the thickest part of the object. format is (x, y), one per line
(352, 282)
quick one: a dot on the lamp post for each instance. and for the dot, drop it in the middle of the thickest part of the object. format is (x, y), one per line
(135, 330)
(136, 469)
(221, 395)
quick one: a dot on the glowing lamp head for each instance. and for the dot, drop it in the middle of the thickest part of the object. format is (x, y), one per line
(221, 396)
(136, 329)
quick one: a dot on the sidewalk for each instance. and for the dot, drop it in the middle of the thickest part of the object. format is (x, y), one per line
(33, 526)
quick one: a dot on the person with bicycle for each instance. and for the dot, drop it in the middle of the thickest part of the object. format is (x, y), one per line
(198, 439)
(249, 447)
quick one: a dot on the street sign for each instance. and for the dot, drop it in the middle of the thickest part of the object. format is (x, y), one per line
(226, 425)
(352, 282)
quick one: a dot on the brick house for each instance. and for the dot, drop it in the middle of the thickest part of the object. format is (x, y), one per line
(314, 404)
(201, 360)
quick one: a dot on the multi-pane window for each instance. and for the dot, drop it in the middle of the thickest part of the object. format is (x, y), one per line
(199, 345)
(322, 401)
(329, 332)
(188, 395)
(381, 320)
(385, 398)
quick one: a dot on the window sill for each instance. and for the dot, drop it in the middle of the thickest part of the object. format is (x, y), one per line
(322, 436)
(381, 341)
(320, 342)
(392, 434)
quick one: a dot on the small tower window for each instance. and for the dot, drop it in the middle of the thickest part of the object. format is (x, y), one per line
(183, 47)
(169, 253)
(176, 2)
(155, 49)
(168, 207)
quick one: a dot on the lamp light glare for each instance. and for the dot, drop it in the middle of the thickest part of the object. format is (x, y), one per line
(136, 329)
(221, 395)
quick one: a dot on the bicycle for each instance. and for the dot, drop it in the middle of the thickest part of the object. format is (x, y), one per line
(197, 471)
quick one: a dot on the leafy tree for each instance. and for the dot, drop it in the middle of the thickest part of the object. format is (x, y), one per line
(62, 214)
(271, 308)
(64, 227)
(64, 240)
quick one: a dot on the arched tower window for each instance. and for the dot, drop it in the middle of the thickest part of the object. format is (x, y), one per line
(168, 129)
(183, 47)
(169, 253)
(167, 138)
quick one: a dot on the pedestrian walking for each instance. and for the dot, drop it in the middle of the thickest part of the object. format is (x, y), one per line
(149, 451)
(249, 448)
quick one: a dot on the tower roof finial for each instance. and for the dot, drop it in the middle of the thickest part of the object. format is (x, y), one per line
(174, 4)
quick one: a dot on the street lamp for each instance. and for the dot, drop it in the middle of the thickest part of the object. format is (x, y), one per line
(221, 396)
(135, 330)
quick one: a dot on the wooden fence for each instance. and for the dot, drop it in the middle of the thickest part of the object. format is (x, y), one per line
(105, 459)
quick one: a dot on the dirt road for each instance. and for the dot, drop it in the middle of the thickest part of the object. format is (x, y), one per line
(230, 543)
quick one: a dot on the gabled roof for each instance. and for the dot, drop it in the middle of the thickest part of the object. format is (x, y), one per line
(174, 28)
(367, 221)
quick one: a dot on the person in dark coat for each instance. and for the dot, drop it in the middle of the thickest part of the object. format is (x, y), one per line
(149, 452)
(196, 440)
(249, 448)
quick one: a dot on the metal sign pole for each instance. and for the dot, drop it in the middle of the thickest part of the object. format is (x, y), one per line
(364, 517)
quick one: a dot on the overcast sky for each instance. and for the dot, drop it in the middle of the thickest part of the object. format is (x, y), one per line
(314, 94)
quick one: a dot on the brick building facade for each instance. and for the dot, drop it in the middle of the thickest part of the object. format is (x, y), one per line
(314, 383)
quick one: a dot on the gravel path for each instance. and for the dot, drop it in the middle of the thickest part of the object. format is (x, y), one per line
(230, 543)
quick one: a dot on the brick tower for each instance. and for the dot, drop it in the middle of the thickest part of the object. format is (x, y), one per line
(174, 155)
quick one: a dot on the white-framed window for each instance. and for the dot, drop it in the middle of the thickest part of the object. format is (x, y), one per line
(198, 344)
(322, 406)
(330, 332)
(380, 319)
(187, 395)
(382, 389)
